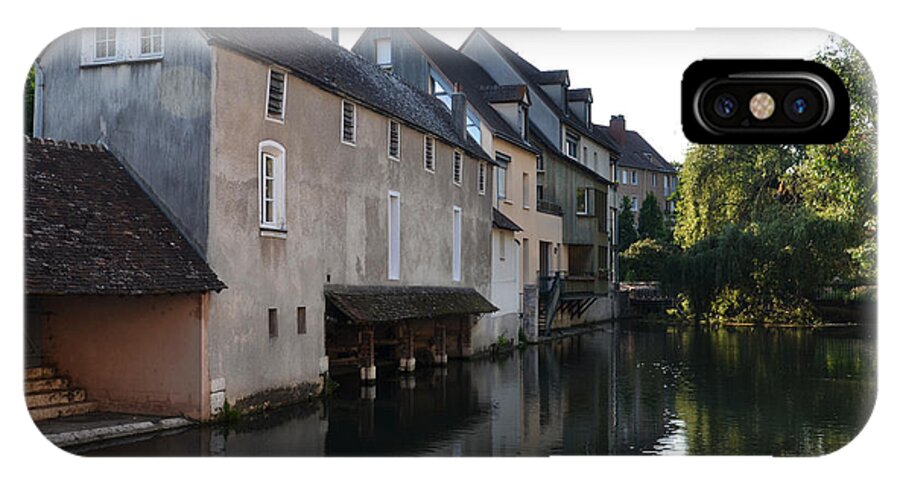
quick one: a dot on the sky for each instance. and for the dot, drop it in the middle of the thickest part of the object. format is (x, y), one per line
(636, 74)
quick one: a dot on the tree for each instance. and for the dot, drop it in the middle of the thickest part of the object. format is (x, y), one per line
(650, 221)
(29, 102)
(627, 233)
(645, 260)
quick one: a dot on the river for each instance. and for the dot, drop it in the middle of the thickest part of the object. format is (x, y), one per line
(615, 391)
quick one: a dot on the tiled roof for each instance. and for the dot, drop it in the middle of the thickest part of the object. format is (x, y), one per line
(91, 230)
(503, 222)
(537, 77)
(579, 94)
(504, 93)
(471, 78)
(392, 303)
(638, 153)
(551, 76)
(333, 68)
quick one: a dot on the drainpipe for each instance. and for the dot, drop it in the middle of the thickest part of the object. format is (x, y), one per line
(38, 122)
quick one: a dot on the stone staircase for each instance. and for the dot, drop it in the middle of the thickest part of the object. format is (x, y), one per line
(51, 396)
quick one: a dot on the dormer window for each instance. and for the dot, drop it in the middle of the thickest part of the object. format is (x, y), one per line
(275, 97)
(383, 53)
(439, 88)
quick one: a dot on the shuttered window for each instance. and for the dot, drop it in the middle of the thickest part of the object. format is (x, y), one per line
(429, 153)
(482, 178)
(393, 140)
(348, 122)
(275, 99)
(457, 168)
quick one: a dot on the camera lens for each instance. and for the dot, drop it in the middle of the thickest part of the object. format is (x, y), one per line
(725, 105)
(801, 105)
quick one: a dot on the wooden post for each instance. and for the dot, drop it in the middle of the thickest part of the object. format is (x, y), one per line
(440, 341)
(407, 349)
(367, 354)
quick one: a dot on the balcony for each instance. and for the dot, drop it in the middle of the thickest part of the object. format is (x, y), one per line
(551, 208)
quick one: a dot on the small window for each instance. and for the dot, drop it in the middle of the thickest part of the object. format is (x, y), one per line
(572, 145)
(428, 153)
(653, 180)
(383, 53)
(104, 43)
(584, 155)
(275, 100)
(457, 168)
(271, 186)
(482, 178)
(348, 122)
(634, 204)
(665, 184)
(393, 236)
(439, 88)
(301, 320)
(583, 201)
(501, 183)
(151, 41)
(624, 177)
(634, 177)
(273, 322)
(393, 140)
(473, 126)
(526, 191)
(502, 240)
(540, 163)
(540, 193)
(457, 244)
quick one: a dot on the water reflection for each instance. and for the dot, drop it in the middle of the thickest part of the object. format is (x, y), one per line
(786, 392)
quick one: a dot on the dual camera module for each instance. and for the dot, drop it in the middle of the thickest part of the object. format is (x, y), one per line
(768, 101)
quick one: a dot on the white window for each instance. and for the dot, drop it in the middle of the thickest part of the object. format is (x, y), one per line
(457, 244)
(428, 153)
(473, 126)
(457, 168)
(482, 178)
(151, 41)
(393, 140)
(276, 95)
(440, 88)
(584, 201)
(665, 184)
(634, 204)
(526, 191)
(383, 53)
(572, 145)
(271, 186)
(634, 177)
(348, 122)
(624, 177)
(104, 44)
(540, 163)
(653, 180)
(393, 236)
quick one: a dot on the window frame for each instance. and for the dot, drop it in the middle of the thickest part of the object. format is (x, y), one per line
(162, 42)
(482, 178)
(428, 139)
(385, 65)
(526, 191)
(391, 124)
(344, 103)
(625, 176)
(634, 177)
(272, 320)
(503, 160)
(284, 83)
(457, 168)
(394, 249)
(588, 200)
(572, 140)
(279, 203)
(457, 244)
(302, 327)
(107, 40)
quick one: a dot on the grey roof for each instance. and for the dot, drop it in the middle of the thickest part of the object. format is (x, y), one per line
(580, 95)
(471, 78)
(638, 153)
(91, 230)
(537, 77)
(543, 142)
(364, 304)
(504, 93)
(333, 68)
(548, 77)
(503, 222)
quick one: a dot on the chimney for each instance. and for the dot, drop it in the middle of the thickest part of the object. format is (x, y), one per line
(458, 112)
(335, 35)
(617, 128)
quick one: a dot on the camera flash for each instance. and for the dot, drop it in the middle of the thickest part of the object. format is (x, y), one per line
(762, 105)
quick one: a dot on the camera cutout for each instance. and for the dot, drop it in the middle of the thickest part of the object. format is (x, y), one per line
(763, 101)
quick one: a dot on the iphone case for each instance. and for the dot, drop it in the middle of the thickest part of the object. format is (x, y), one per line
(400, 241)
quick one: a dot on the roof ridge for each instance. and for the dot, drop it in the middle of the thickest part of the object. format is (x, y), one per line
(84, 147)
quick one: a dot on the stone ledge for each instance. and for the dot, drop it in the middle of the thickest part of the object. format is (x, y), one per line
(79, 437)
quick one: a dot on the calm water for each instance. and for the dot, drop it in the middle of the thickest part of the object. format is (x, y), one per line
(609, 392)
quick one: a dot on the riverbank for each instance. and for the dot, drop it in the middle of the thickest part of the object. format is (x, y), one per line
(102, 427)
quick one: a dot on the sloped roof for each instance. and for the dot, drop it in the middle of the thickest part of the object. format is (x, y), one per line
(538, 77)
(638, 153)
(363, 304)
(503, 222)
(91, 230)
(504, 93)
(333, 68)
(543, 142)
(580, 95)
(548, 77)
(471, 78)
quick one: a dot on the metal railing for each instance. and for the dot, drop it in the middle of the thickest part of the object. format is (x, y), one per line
(545, 206)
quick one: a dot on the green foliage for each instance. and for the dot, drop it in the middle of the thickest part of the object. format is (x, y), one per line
(228, 414)
(627, 232)
(762, 226)
(650, 220)
(645, 260)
